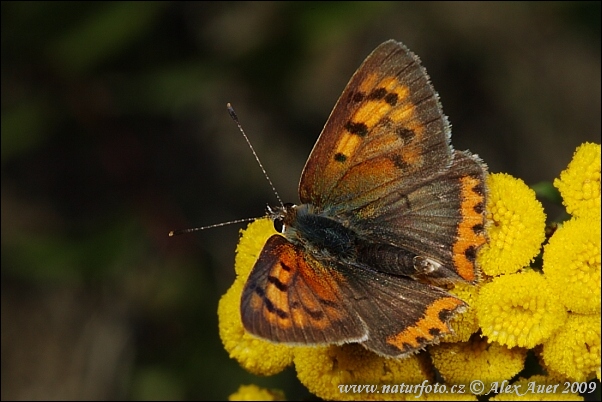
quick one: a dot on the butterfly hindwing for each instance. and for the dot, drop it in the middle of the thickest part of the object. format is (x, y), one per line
(445, 210)
(405, 316)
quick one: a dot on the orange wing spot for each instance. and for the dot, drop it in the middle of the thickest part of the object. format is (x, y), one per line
(468, 241)
(389, 82)
(347, 144)
(406, 115)
(428, 327)
(274, 293)
(412, 157)
(371, 112)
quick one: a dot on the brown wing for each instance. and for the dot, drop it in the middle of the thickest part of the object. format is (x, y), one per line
(387, 127)
(403, 315)
(290, 297)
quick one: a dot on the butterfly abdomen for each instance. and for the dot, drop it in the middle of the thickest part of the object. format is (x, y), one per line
(386, 258)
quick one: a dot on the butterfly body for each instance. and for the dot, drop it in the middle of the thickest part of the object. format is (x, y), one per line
(389, 213)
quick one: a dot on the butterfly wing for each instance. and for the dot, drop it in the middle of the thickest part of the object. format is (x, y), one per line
(386, 127)
(291, 297)
(403, 315)
(383, 166)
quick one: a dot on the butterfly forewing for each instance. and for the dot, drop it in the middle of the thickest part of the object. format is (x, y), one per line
(386, 127)
(290, 297)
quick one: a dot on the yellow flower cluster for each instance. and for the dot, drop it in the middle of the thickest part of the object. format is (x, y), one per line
(555, 310)
(571, 262)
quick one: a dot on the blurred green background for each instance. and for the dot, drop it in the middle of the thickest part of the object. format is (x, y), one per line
(115, 131)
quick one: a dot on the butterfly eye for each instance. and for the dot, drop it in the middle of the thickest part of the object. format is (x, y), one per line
(284, 214)
(279, 225)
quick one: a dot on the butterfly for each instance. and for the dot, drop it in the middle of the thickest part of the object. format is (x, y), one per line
(389, 215)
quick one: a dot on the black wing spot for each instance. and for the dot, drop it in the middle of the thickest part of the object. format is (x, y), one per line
(378, 93)
(259, 291)
(422, 340)
(358, 97)
(392, 98)
(315, 314)
(399, 162)
(434, 331)
(283, 287)
(339, 157)
(471, 253)
(406, 134)
(479, 188)
(275, 310)
(479, 208)
(285, 267)
(359, 129)
(445, 315)
(478, 229)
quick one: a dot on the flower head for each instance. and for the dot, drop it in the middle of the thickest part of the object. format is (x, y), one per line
(579, 184)
(516, 226)
(571, 262)
(574, 351)
(519, 309)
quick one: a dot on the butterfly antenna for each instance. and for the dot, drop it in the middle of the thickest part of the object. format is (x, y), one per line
(235, 118)
(217, 225)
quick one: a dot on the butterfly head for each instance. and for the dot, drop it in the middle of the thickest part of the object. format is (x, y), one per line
(283, 216)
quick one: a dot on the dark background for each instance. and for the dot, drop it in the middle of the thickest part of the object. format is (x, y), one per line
(115, 131)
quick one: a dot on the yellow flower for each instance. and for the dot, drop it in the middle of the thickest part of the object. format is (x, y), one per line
(464, 362)
(465, 324)
(538, 388)
(516, 224)
(574, 351)
(579, 184)
(519, 309)
(325, 371)
(571, 262)
(255, 393)
(255, 355)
